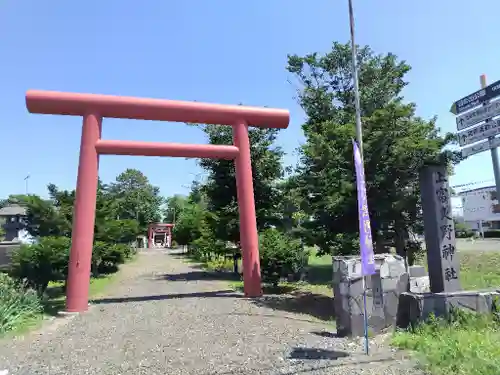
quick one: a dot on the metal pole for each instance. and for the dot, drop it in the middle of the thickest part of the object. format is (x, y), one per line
(359, 131)
(359, 139)
(26, 183)
(494, 152)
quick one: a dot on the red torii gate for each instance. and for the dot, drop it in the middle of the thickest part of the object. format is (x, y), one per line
(159, 228)
(94, 108)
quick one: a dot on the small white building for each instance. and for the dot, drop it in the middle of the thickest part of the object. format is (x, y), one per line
(481, 208)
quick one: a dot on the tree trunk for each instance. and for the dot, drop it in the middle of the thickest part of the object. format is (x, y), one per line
(235, 263)
(401, 242)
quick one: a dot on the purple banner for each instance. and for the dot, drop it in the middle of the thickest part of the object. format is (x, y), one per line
(365, 232)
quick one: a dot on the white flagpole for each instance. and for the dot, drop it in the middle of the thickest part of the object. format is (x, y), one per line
(359, 139)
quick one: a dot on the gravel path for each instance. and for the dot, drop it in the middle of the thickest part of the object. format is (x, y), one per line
(162, 316)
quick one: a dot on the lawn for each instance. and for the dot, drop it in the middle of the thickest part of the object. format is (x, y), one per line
(55, 299)
(467, 344)
(480, 270)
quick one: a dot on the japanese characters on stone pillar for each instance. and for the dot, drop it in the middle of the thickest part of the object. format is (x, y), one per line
(439, 229)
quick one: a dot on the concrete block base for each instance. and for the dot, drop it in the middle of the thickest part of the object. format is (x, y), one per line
(382, 293)
(416, 307)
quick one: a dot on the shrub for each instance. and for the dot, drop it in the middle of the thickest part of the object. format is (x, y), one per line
(465, 233)
(494, 233)
(117, 231)
(106, 257)
(280, 256)
(117, 253)
(40, 263)
(206, 247)
(462, 230)
(17, 303)
(220, 265)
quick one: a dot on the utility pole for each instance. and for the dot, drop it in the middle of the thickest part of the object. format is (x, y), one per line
(26, 183)
(493, 150)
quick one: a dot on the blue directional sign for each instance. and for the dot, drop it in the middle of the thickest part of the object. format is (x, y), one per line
(477, 98)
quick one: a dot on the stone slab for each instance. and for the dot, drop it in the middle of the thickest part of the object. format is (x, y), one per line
(416, 307)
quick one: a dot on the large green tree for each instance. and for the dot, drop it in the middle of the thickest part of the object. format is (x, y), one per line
(174, 205)
(135, 198)
(189, 224)
(44, 218)
(397, 143)
(220, 186)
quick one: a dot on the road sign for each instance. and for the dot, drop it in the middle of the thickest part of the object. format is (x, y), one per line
(478, 133)
(480, 147)
(477, 115)
(476, 98)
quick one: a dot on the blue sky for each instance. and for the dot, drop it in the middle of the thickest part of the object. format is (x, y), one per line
(214, 51)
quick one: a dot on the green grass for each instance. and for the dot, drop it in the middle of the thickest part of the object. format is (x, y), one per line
(480, 270)
(467, 344)
(21, 309)
(53, 302)
(18, 305)
(318, 280)
(55, 298)
(319, 275)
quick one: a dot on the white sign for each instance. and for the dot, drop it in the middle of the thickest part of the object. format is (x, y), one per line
(480, 147)
(478, 133)
(479, 114)
(482, 205)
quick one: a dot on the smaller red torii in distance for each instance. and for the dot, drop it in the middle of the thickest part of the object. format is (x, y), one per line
(159, 228)
(93, 108)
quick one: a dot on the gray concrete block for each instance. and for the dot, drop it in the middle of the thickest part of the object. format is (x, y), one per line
(346, 267)
(403, 283)
(393, 266)
(416, 307)
(391, 306)
(382, 293)
(390, 283)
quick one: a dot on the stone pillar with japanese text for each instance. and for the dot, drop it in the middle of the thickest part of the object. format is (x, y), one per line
(442, 257)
